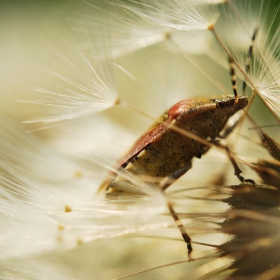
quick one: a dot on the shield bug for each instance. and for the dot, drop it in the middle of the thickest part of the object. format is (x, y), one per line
(164, 154)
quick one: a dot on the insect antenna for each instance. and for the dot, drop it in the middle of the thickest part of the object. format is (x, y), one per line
(247, 66)
(232, 61)
(233, 78)
(249, 57)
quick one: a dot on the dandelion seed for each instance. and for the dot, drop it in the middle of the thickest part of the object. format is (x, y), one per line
(180, 15)
(80, 82)
(128, 31)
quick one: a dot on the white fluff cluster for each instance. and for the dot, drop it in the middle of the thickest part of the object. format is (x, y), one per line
(98, 75)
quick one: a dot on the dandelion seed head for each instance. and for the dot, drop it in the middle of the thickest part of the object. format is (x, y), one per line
(54, 226)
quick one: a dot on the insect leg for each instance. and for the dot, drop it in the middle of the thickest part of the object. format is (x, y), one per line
(167, 181)
(164, 184)
(237, 170)
(179, 224)
(248, 59)
(233, 78)
(231, 125)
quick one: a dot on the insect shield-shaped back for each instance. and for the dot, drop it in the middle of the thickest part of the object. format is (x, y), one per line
(163, 154)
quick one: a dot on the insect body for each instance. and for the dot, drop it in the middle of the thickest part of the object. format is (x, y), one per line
(163, 154)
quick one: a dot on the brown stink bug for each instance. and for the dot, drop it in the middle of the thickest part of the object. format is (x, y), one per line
(162, 155)
(165, 152)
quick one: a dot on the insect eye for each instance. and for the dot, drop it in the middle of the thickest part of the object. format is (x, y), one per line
(221, 104)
